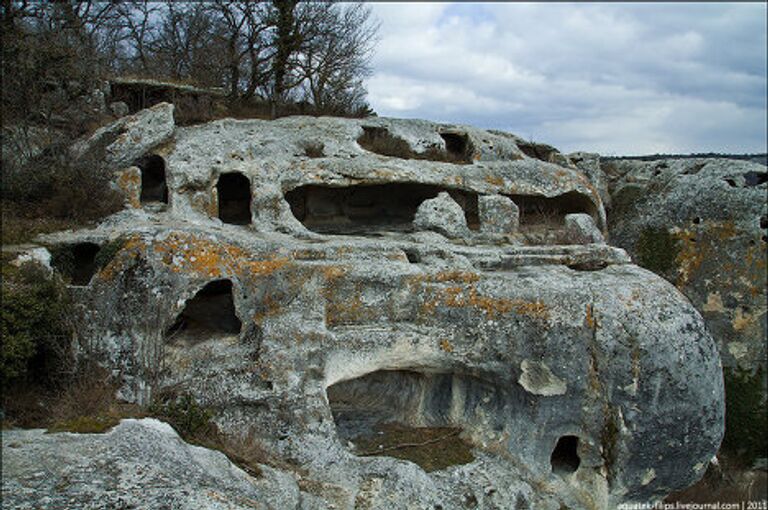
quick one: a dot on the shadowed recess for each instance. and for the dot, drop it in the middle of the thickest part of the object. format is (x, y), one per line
(153, 184)
(417, 416)
(234, 192)
(364, 209)
(210, 312)
(565, 458)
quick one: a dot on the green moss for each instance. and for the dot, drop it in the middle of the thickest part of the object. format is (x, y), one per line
(746, 416)
(657, 250)
(431, 448)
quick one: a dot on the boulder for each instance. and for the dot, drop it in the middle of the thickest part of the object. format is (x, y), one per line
(119, 109)
(581, 229)
(120, 143)
(498, 214)
(443, 215)
(138, 464)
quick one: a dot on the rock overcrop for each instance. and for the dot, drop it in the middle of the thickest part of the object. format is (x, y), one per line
(317, 298)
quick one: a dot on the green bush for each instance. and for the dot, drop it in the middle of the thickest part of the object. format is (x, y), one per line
(188, 418)
(34, 329)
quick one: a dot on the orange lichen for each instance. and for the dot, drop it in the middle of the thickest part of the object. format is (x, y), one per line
(446, 345)
(131, 249)
(460, 297)
(130, 183)
(185, 253)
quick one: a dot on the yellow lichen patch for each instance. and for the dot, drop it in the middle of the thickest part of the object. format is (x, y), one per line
(714, 303)
(589, 320)
(454, 276)
(743, 320)
(131, 249)
(185, 253)
(494, 180)
(460, 297)
(269, 307)
(350, 311)
(213, 204)
(689, 258)
(129, 183)
(333, 272)
(446, 345)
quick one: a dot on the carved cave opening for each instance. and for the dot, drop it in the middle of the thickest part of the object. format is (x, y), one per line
(153, 184)
(565, 458)
(379, 140)
(542, 219)
(234, 192)
(416, 416)
(209, 313)
(458, 146)
(370, 208)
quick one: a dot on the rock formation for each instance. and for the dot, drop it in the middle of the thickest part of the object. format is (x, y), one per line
(318, 294)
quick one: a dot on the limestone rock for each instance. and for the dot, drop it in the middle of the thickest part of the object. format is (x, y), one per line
(138, 464)
(702, 224)
(581, 229)
(498, 214)
(443, 215)
(296, 293)
(119, 109)
(120, 143)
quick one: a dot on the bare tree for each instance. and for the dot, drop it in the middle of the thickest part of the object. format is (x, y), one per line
(335, 57)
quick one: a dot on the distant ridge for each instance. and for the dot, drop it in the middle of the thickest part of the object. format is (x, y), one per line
(756, 158)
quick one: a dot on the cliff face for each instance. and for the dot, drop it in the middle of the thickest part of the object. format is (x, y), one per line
(323, 282)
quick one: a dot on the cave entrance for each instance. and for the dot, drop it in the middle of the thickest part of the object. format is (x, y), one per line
(234, 191)
(565, 458)
(211, 312)
(542, 219)
(153, 184)
(84, 262)
(76, 262)
(369, 209)
(410, 415)
(457, 147)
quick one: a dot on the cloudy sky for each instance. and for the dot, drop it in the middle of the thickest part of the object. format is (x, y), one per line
(618, 79)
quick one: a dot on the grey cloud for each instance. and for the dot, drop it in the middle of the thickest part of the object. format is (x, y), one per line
(612, 77)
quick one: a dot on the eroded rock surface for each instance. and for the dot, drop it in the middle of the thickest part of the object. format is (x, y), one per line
(703, 225)
(287, 285)
(138, 464)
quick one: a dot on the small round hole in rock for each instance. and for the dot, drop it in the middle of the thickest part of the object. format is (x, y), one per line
(412, 256)
(565, 458)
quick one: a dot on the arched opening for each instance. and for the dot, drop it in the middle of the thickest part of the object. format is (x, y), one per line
(211, 312)
(565, 458)
(542, 219)
(369, 209)
(416, 416)
(234, 191)
(458, 147)
(153, 184)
